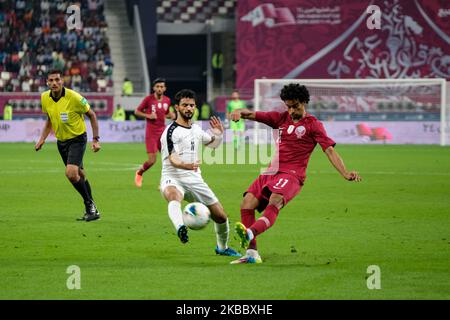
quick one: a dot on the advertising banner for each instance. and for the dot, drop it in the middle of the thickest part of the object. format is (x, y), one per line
(335, 39)
(346, 132)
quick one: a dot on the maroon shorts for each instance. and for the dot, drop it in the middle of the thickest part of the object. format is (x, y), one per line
(152, 140)
(282, 183)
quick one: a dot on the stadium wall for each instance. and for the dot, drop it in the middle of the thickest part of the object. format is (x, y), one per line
(345, 132)
(29, 104)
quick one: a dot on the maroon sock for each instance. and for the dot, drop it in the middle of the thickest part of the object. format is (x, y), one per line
(248, 218)
(145, 166)
(266, 221)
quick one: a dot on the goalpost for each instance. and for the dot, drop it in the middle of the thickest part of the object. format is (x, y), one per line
(407, 98)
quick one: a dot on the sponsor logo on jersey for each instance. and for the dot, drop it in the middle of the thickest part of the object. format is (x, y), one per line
(64, 116)
(290, 129)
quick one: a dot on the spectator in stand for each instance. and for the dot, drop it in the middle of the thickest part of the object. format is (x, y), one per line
(45, 6)
(127, 88)
(34, 33)
(26, 84)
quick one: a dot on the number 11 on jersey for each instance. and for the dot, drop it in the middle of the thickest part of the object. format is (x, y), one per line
(281, 183)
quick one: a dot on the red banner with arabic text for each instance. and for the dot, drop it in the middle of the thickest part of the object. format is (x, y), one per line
(340, 39)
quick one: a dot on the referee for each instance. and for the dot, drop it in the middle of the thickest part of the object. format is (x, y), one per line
(65, 111)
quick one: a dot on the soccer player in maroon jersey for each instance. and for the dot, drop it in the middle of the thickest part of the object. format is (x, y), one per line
(298, 134)
(155, 109)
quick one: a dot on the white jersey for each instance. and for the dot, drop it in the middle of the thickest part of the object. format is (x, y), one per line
(185, 141)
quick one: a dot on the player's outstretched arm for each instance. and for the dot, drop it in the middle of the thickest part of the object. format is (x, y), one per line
(44, 135)
(216, 133)
(216, 124)
(236, 115)
(175, 160)
(94, 124)
(338, 163)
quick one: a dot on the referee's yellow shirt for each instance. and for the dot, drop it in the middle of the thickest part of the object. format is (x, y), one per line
(66, 113)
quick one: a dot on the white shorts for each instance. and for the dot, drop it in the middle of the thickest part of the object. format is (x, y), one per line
(192, 187)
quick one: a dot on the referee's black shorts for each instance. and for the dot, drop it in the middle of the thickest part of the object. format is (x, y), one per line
(72, 150)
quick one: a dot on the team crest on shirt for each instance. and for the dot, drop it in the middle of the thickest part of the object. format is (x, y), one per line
(290, 129)
(300, 131)
(165, 105)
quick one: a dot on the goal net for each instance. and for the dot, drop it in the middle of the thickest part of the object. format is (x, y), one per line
(365, 99)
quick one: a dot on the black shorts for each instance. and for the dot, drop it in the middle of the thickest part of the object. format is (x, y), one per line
(72, 150)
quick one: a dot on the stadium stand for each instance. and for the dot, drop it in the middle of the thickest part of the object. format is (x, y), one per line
(34, 38)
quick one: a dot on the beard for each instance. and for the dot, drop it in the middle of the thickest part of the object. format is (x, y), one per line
(187, 115)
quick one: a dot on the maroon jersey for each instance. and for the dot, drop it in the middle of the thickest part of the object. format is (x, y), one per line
(295, 141)
(152, 105)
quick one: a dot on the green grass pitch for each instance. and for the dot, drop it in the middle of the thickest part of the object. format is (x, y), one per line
(398, 218)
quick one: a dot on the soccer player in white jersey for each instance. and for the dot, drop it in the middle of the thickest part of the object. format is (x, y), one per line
(181, 177)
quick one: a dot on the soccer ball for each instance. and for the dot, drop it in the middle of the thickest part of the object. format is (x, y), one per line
(196, 215)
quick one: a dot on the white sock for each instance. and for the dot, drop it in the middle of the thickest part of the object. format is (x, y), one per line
(252, 253)
(250, 234)
(222, 233)
(175, 214)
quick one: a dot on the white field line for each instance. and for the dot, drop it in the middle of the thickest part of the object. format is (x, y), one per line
(93, 167)
(387, 173)
(34, 170)
(363, 173)
(59, 161)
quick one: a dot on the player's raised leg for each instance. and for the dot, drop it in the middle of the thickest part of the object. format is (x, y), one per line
(248, 206)
(273, 193)
(222, 229)
(267, 220)
(145, 166)
(174, 198)
(248, 240)
(248, 234)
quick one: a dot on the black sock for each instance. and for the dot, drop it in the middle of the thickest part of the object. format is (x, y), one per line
(88, 187)
(80, 185)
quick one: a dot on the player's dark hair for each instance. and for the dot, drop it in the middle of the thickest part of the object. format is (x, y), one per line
(55, 71)
(294, 91)
(158, 80)
(185, 93)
